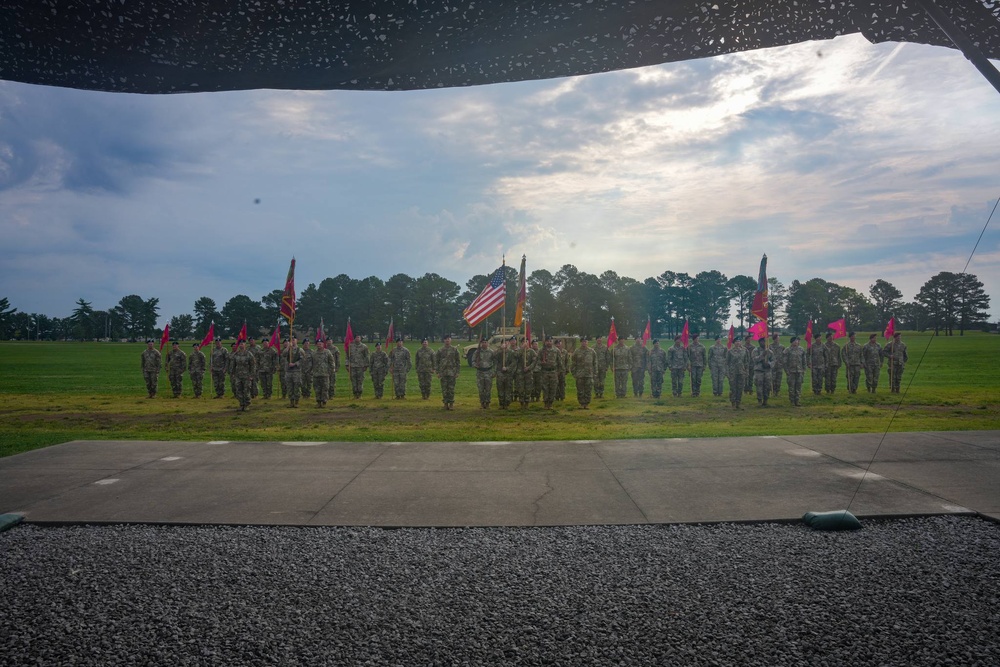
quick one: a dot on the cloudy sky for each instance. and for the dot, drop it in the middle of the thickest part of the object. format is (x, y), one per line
(839, 159)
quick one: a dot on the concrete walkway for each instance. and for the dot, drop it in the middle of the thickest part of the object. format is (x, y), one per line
(505, 483)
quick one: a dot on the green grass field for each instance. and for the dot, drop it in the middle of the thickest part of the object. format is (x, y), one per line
(55, 392)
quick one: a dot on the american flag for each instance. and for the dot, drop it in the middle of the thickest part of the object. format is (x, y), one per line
(489, 301)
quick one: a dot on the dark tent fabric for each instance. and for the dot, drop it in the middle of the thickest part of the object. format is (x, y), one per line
(171, 46)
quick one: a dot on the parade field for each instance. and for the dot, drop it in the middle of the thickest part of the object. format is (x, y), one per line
(56, 392)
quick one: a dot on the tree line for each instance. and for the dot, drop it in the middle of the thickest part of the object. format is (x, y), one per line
(568, 301)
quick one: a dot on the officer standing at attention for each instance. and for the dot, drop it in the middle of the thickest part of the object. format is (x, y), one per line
(448, 364)
(220, 364)
(584, 367)
(196, 369)
(150, 364)
(399, 366)
(425, 369)
(697, 358)
(176, 365)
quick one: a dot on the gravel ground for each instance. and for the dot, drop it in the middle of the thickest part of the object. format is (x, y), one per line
(906, 592)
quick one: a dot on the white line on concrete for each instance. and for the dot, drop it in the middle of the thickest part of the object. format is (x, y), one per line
(585, 442)
(859, 474)
(105, 482)
(218, 442)
(802, 452)
(303, 444)
(171, 458)
(491, 442)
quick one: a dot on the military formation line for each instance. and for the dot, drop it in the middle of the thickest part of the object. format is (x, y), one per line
(526, 372)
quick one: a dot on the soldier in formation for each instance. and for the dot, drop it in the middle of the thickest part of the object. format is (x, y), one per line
(677, 362)
(176, 365)
(763, 360)
(697, 359)
(242, 371)
(150, 364)
(779, 364)
(525, 365)
(266, 361)
(737, 369)
(639, 365)
(584, 368)
(621, 360)
(399, 368)
(563, 371)
(505, 373)
(322, 366)
(717, 355)
(851, 354)
(378, 366)
(196, 369)
(220, 365)
(483, 360)
(748, 349)
(358, 358)
(425, 368)
(255, 351)
(549, 363)
(603, 362)
(536, 376)
(306, 369)
(658, 364)
(833, 364)
(293, 372)
(871, 358)
(794, 363)
(895, 352)
(817, 363)
(447, 365)
(335, 351)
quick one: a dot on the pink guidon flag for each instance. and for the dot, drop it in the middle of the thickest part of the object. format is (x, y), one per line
(685, 334)
(759, 330)
(809, 335)
(839, 328)
(612, 334)
(890, 328)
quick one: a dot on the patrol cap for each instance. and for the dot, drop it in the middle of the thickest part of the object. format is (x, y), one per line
(793, 339)
(872, 336)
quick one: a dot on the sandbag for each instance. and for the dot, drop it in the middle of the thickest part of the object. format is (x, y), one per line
(837, 520)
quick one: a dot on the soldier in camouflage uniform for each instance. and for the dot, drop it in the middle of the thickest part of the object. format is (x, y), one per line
(677, 361)
(150, 364)
(657, 368)
(220, 365)
(176, 365)
(505, 373)
(549, 363)
(242, 369)
(536, 377)
(895, 352)
(639, 364)
(283, 368)
(748, 350)
(763, 360)
(447, 365)
(737, 369)
(196, 369)
(697, 358)
(851, 356)
(621, 364)
(871, 357)
(293, 371)
(483, 361)
(833, 364)
(525, 365)
(307, 369)
(358, 358)
(425, 368)
(378, 366)
(779, 364)
(717, 355)
(817, 362)
(584, 368)
(266, 361)
(229, 370)
(794, 363)
(399, 366)
(563, 371)
(335, 351)
(255, 351)
(322, 368)
(603, 361)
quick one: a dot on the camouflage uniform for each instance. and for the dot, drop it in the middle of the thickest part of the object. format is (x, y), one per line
(483, 360)
(293, 360)
(871, 356)
(832, 366)
(851, 355)
(621, 359)
(717, 355)
(794, 363)
(255, 351)
(242, 368)
(266, 361)
(335, 351)
(817, 362)
(639, 364)
(399, 366)
(150, 364)
(220, 365)
(748, 350)
(323, 362)
(307, 369)
(448, 363)
(358, 358)
(658, 365)
(525, 365)
(425, 370)
(283, 370)
(584, 365)
(562, 372)
(602, 352)
(505, 376)
(779, 366)
(763, 360)
(737, 370)
(895, 352)
(677, 363)
(176, 365)
(378, 366)
(549, 363)
(536, 377)
(196, 370)
(697, 358)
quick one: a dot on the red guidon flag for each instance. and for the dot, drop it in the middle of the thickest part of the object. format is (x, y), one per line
(389, 337)
(275, 341)
(890, 328)
(288, 296)
(759, 307)
(759, 330)
(320, 335)
(489, 301)
(685, 334)
(839, 327)
(522, 294)
(647, 333)
(210, 336)
(242, 335)
(809, 334)
(732, 337)
(527, 331)
(348, 337)
(612, 334)
(165, 337)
